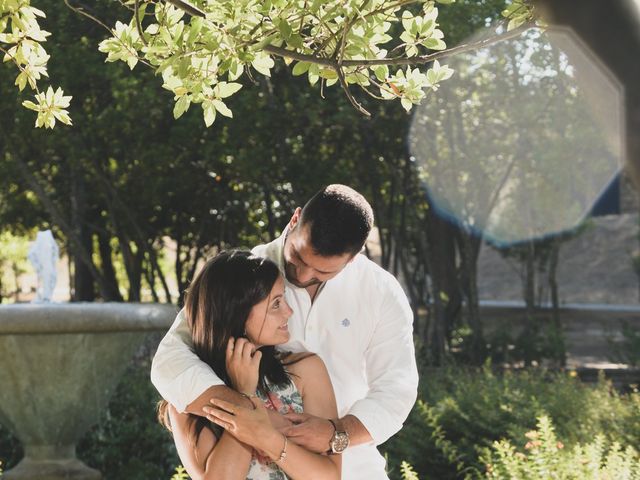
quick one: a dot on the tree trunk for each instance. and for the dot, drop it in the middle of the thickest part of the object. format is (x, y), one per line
(446, 291)
(530, 300)
(107, 268)
(83, 286)
(555, 300)
(148, 271)
(469, 251)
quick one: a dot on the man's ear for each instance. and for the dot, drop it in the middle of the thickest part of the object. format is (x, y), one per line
(295, 218)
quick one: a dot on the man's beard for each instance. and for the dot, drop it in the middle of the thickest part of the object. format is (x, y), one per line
(290, 270)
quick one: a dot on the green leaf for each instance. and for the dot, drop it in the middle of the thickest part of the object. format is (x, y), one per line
(263, 64)
(434, 44)
(181, 106)
(195, 29)
(407, 20)
(209, 113)
(284, 28)
(381, 72)
(132, 61)
(300, 68)
(222, 108)
(30, 105)
(295, 40)
(224, 89)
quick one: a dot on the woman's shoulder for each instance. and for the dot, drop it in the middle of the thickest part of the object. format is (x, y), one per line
(304, 364)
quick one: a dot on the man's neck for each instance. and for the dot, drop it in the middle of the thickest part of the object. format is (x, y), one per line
(313, 290)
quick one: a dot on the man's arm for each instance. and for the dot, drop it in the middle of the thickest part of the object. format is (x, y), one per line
(391, 370)
(187, 382)
(177, 372)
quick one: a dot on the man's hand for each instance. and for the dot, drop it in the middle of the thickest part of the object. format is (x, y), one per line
(279, 421)
(312, 433)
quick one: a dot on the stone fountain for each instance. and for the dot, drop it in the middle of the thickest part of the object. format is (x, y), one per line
(59, 365)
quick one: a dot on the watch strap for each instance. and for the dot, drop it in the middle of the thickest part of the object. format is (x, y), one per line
(339, 430)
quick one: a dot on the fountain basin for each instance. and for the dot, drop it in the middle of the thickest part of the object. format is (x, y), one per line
(60, 365)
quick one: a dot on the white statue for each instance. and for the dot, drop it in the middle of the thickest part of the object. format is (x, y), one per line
(43, 254)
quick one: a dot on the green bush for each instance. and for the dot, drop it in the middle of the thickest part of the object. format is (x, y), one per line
(544, 457)
(129, 442)
(450, 433)
(180, 474)
(628, 350)
(10, 449)
(462, 412)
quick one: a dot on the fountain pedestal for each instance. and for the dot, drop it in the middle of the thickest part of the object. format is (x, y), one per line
(60, 365)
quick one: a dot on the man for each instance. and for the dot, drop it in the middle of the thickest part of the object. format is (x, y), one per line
(349, 311)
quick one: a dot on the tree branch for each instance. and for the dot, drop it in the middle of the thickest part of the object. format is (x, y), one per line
(187, 7)
(466, 47)
(350, 97)
(81, 11)
(139, 23)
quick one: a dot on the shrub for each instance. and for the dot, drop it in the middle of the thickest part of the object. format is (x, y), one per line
(129, 442)
(180, 474)
(544, 457)
(628, 350)
(462, 412)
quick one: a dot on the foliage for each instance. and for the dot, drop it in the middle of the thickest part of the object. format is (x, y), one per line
(635, 260)
(10, 449)
(462, 412)
(450, 432)
(408, 473)
(130, 425)
(130, 180)
(180, 474)
(13, 261)
(509, 344)
(627, 351)
(201, 58)
(545, 457)
(128, 442)
(21, 41)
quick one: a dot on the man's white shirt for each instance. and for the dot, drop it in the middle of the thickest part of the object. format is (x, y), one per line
(360, 324)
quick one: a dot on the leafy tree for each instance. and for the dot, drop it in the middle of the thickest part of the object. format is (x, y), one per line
(201, 57)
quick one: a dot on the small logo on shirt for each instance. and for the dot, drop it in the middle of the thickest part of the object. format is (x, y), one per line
(345, 322)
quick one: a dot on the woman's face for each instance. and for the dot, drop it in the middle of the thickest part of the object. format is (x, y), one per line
(267, 321)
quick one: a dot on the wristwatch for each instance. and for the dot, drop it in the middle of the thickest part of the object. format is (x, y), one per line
(340, 440)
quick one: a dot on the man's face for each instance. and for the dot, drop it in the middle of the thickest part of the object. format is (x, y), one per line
(304, 267)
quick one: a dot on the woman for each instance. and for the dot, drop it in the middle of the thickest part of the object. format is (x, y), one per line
(237, 313)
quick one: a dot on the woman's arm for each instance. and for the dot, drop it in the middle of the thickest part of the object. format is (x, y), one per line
(204, 457)
(312, 380)
(253, 428)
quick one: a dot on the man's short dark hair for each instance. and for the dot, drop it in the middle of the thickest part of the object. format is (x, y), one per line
(339, 220)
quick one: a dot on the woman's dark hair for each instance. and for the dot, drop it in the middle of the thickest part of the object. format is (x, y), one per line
(217, 305)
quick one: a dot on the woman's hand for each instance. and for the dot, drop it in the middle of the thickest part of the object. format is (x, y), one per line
(249, 426)
(243, 363)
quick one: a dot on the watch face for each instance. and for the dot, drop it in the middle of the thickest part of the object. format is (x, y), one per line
(340, 442)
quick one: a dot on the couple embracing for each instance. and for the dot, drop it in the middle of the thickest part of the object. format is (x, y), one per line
(251, 364)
